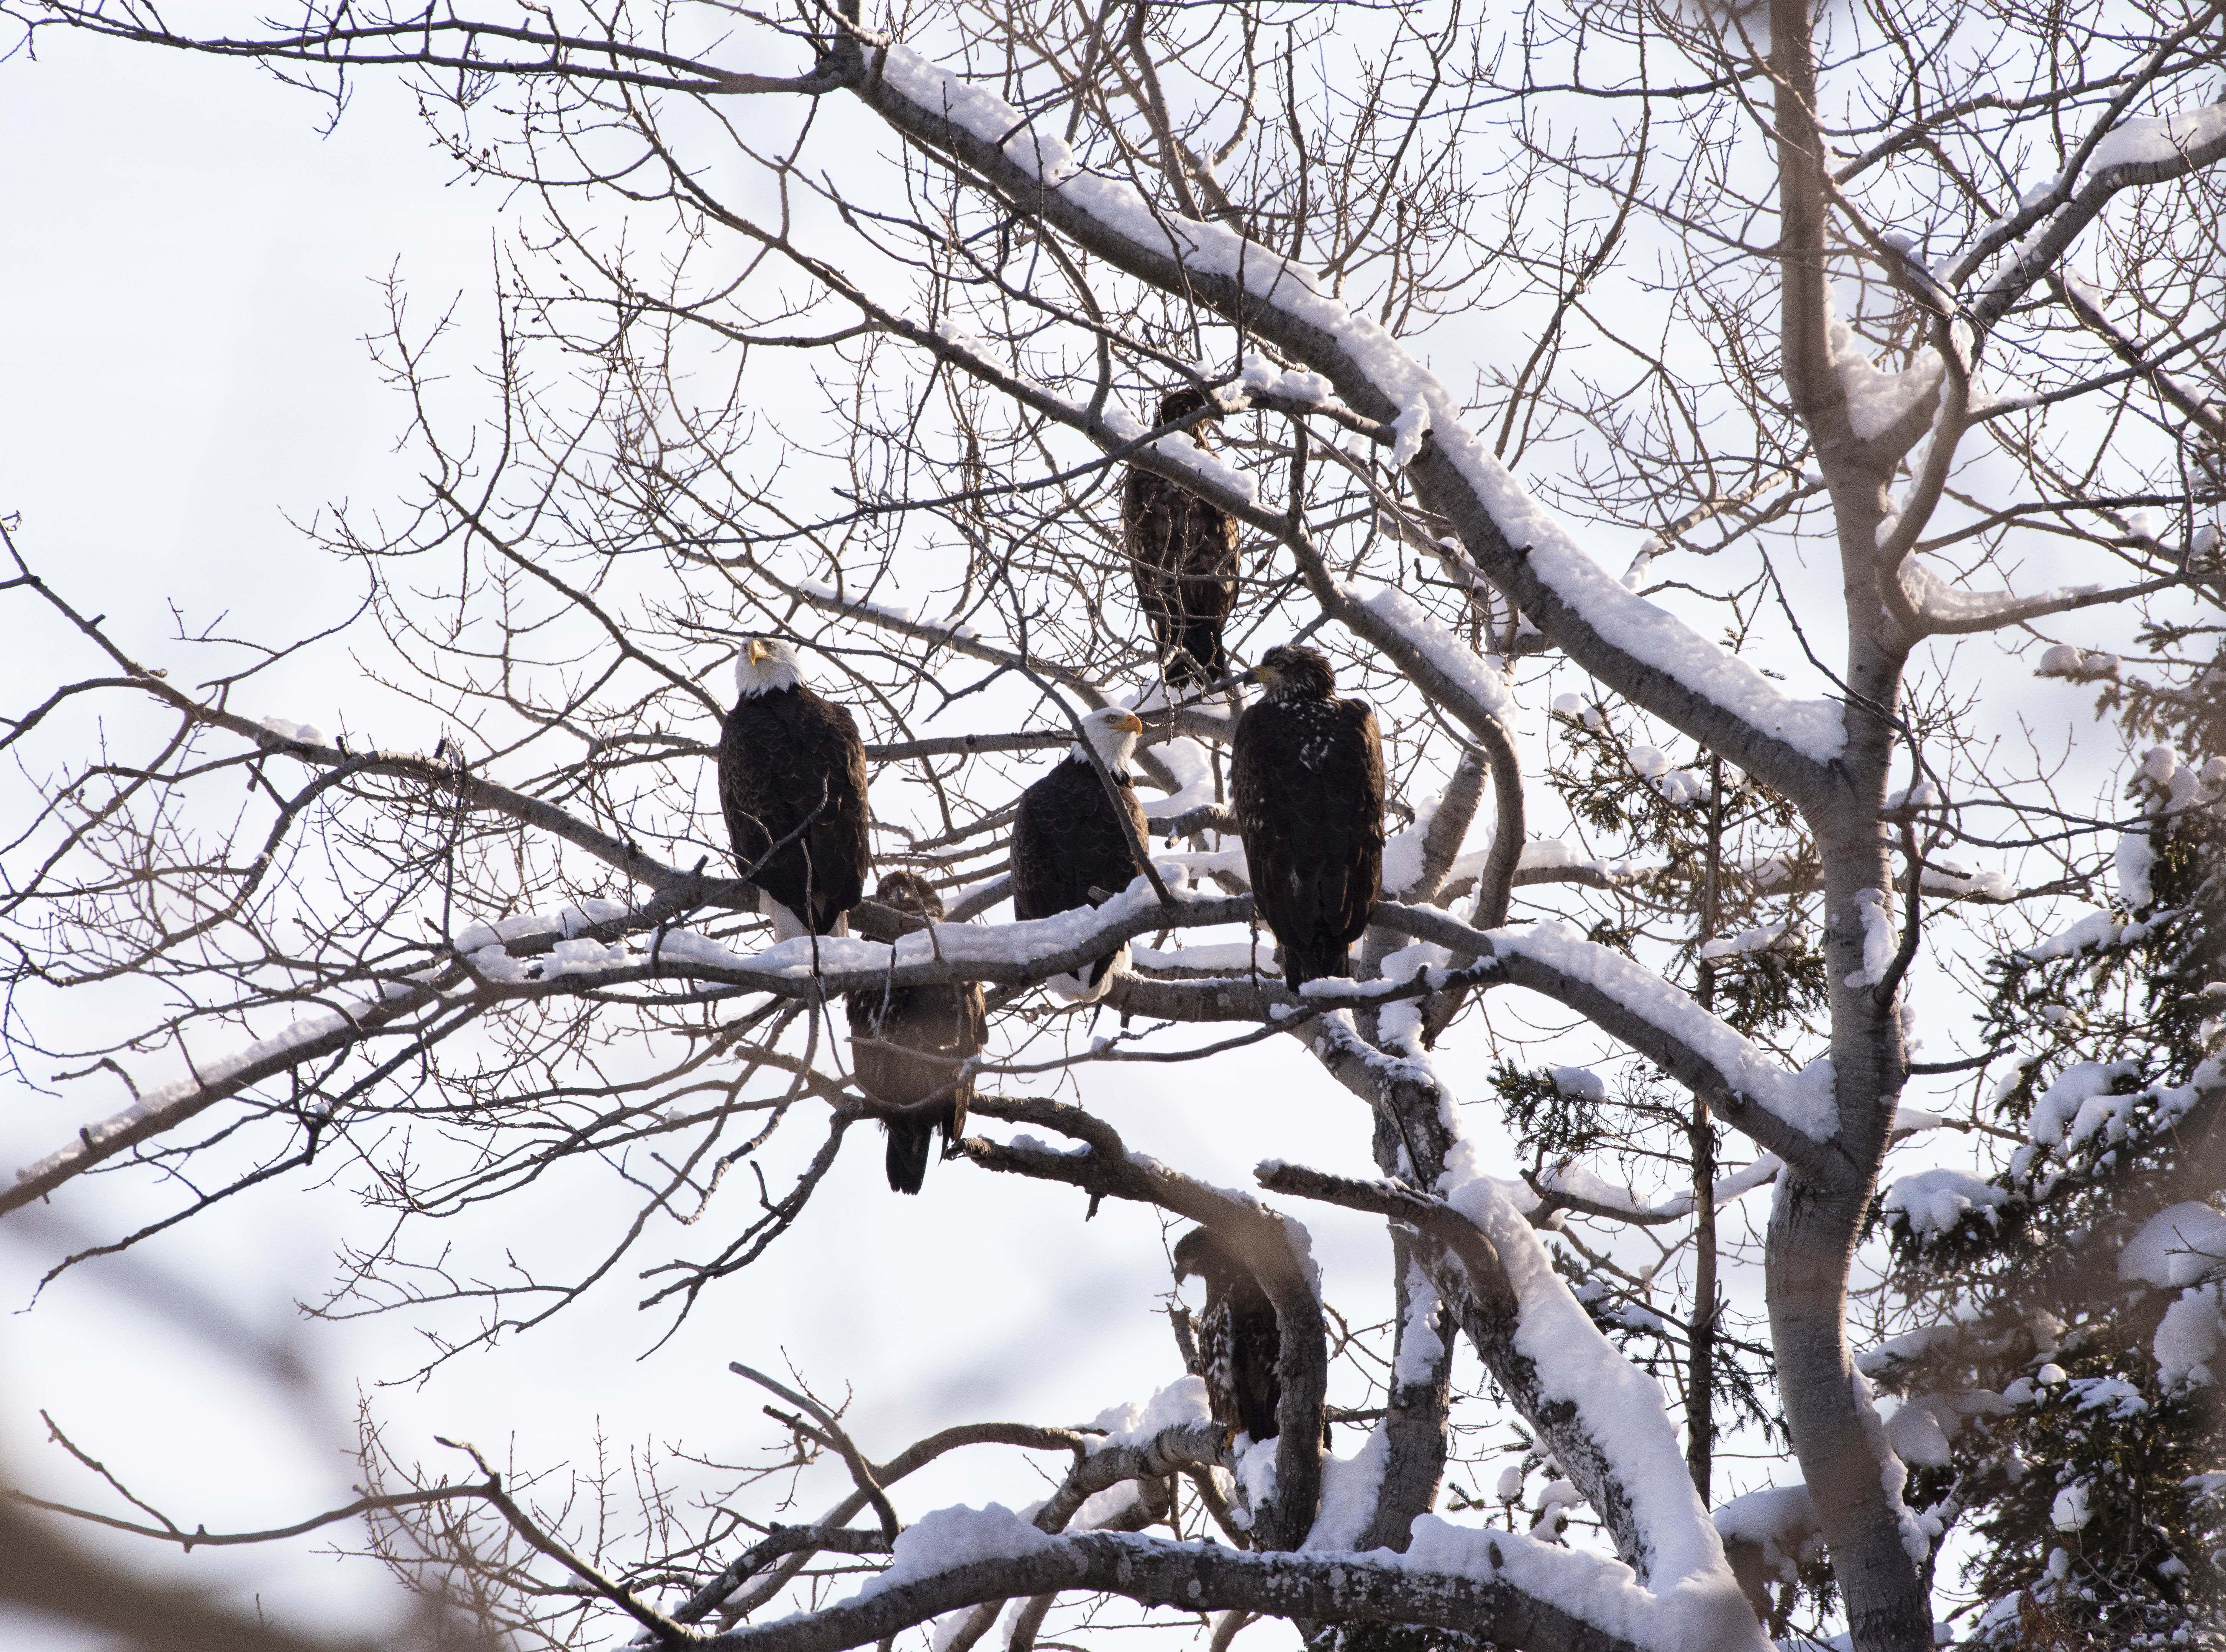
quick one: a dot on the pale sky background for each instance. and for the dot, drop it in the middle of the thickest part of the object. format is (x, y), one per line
(191, 271)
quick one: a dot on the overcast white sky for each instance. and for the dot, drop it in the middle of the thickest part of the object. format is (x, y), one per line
(179, 314)
(191, 271)
(194, 269)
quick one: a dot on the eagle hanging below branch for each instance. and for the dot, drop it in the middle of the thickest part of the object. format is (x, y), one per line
(1239, 1348)
(1067, 840)
(938, 1018)
(793, 781)
(1183, 553)
(1307, 776)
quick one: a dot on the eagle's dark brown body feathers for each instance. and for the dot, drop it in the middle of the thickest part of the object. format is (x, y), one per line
(1067, 839)
(1238, 1346)
(786, 757)
(1306, 778)
(1183, 553)
(941, 1018)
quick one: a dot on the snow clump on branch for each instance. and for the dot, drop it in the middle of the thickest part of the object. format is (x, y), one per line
(948, 1538)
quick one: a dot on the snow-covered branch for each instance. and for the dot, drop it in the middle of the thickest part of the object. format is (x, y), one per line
(1145, 1458)
(732, 1593)
(1603, 1418)
(1937, 608)
(1788, 1114)
(1640, 649)
(327, 1032)
(1571, 1187)
(1274, 1247)
(1502, 1588)
(1781, 1111)
(2121, 153)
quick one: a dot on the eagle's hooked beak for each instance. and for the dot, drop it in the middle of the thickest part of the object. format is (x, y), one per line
(1130, 724)
(760, 650)
(1259, 674)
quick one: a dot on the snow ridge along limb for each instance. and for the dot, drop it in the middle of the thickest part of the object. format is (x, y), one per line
(1802, 1099)
(1641, 649)
(1688, 1597)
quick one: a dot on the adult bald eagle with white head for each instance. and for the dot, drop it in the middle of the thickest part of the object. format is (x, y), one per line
(1067, 840)
(793, 784)
(1305, 775)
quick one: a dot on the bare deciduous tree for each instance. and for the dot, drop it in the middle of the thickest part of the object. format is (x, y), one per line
(843, 328)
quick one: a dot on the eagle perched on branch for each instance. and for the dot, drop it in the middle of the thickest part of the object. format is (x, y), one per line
(945, 1019)
(1183, 552)
(1067, 840)
(1238, 1345)
(793, 781)
(1306, 773)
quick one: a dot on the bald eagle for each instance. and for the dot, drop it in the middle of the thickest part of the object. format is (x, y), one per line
(1238, 1345)
(1183, 552)
(793, 773)
(1307, 775)
(1067, 840)
(942, 1018)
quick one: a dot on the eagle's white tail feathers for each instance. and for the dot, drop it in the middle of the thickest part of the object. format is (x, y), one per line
(786, 926)
(1070, 988)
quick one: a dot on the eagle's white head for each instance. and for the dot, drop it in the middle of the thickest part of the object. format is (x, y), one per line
(766, 665)
(1113, 732)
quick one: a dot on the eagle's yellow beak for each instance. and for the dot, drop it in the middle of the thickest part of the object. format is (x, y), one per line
(760, 650)
(1259, 674)
(1130, 724)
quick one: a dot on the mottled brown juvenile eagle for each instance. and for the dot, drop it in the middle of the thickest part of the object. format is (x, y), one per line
(1067, 840)
(1238, 1346)
(1306, 777)
(1183, 552)
(792, 774)
(942, 1019)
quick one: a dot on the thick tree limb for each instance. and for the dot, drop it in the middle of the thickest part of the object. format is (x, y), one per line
(2045, 230)
(1416, 1403)
(1658, 1043)
(1196, 1447)
(1202, 1444)
(1195, 1576)
(1121, 919)
(1109, 1169)
(1491, 1322)
(1275, 300)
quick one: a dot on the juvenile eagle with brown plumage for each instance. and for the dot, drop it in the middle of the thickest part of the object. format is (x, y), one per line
(1305, 775)
(1183, 553)
(1239, 1348)
(793, 781)
(942, 1019)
